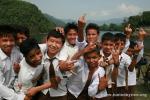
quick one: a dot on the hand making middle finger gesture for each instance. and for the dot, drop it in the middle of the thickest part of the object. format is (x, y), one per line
(128, 31)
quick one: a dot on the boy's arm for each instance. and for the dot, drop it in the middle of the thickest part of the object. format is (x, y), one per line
(9, 94)
(81, 52)
(32, 91)
(81, 24)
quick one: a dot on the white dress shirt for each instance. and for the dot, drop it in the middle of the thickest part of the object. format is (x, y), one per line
(77, 82)
(125, 61)
(27, 75)
(7, 73)
(109, 69)
(93, 88)
(61, 90)
(9, 94)
(68, 51)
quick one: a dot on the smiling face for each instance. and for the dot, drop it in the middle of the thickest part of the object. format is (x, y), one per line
(20, 37)
(34, 57)
(71, 36)
(7, 43)
(92, 59)
(107, 47)
(54, 45)
(120, 44)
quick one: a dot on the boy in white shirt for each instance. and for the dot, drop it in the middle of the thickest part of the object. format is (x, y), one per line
(125, 61)
(8, 56)
(58, 90)
(132, 71)
(86, 69)
(31, 67)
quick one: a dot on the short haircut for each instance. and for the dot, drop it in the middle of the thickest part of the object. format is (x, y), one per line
(28, 45)
(92, 26)
(132, 44)
(6, 30)
(56, 34)
(120, 37)
(70, 26)
(22, 29)
(108, 36)
(97, 50)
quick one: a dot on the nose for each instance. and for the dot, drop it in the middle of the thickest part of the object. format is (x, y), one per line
(20, 40)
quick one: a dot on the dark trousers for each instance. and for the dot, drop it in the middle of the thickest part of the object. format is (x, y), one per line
(130, 92)
(82, 96)
(121, 93)
(41, 96)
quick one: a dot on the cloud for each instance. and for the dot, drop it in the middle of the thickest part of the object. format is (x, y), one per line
(128, 9)
(102, 13)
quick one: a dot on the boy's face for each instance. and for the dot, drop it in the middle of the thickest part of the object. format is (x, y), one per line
(92, 59)
(107, 47)
(92, 36)
(54, 45)
(20, 37)
(7, 43)
(34, 57)
(120, 44)
(130, 51)
(71, 36)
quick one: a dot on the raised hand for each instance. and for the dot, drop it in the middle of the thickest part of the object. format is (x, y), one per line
(103, 82)
(141, 34)
(16, 67)
(60, 29)
(128, 31)
(81, 21)
(115, 54)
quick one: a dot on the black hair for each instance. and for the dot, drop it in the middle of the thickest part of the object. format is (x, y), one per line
(22, 29)
(92, 26)
(70, 26)
(27, 45)
(132, 44)
(6, 30)
(120, 37)
(108, 36)
(56, 34)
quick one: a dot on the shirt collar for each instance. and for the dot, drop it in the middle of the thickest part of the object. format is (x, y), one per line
(102, 54)
(46, 57)
(67, 44)
(3, 56)
(31, 69)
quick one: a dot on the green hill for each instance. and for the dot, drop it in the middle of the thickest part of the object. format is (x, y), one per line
(24, 13)
(57, 21)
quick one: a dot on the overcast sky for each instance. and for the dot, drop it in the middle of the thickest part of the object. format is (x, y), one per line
(94, 9)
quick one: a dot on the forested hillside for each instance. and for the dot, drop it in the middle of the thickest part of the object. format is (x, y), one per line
(26, 14)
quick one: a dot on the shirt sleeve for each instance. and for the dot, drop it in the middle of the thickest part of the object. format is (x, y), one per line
(9, 94)
(140, 55)
(126, 45)
(93, 88)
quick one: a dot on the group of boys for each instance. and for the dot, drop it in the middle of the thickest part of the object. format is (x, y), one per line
(69, 65)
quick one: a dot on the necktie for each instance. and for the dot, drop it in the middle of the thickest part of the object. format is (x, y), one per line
(52, 74)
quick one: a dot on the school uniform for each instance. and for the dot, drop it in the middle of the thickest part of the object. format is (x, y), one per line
(68, 51)
(78, 84)
(125, 61)
(51, 93)
(108, 69)
(127, 44)
(131, 83)
(93, 88)
(108, 73)
(7, 74)
(9, 94)
(28, 75)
